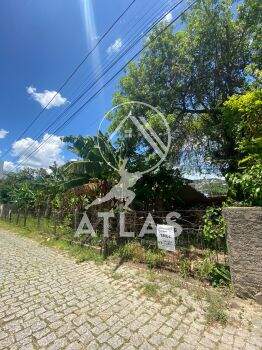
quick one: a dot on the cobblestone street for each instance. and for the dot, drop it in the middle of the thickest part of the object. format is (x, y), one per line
(48, 301)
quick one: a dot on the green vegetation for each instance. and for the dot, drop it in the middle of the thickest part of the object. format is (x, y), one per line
(155, 259)
(243, 116)
(205, 268)
(216, 309)
(189, 75)
(212, 187)
(220, 275)
(185, 267)
(150, 289)
(214, 225)
(210, 270)
(79, 252)
(134, 251)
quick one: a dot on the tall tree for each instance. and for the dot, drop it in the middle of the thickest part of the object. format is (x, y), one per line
(188, 74)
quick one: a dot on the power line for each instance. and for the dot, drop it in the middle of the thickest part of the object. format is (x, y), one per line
(115, 75)
(73, 73)
(104, 85)
(113, 63)
(77, 99)
(161, 8)
(97, 70)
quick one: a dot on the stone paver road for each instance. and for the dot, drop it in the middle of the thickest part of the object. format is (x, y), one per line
(48, 301)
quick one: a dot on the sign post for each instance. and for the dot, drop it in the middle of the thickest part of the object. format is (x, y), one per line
(166, 237)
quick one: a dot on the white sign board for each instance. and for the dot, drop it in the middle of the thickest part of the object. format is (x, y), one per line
(166, 237)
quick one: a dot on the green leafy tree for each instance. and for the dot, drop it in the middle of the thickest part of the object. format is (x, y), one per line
(188, 75)
(23, 196)
(242, 115)
(12, 181)
(250, 15)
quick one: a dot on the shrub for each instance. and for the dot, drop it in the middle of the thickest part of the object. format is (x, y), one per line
(242, 114)
(185, 267)
(246, 187)
(214, 225)
(220, 275)
(155, 258)
(150, 289)
(65, 227)
(217, 274)
(205, 267)
(133, 251)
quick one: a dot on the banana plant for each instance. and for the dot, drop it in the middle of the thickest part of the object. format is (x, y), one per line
(92, 152)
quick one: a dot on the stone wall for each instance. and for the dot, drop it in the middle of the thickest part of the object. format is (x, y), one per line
(244, 240)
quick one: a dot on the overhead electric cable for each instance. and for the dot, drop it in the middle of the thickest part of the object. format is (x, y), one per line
(75, 101)
(72, 74)
(115, 75)
(92, 84)
(162, 8)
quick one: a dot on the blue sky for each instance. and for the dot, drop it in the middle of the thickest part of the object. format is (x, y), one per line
(41, 43)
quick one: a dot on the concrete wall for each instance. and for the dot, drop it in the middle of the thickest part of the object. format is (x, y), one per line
(244, 240)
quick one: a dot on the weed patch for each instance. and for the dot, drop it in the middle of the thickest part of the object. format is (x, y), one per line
(216, 309)
(155, 259)
(116, 276)
(150, 289)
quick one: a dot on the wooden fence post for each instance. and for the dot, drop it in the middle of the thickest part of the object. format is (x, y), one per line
(75, 219)
(10, 215)
(17, 217)
(56, 217)
(38, 219)
(5, 214)
(105, 247)
(25, 217)
(55, 223)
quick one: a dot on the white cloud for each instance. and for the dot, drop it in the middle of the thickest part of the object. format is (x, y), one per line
(9, 166)
(3, 133)
(46, 96)
(168, 17)
(115, 47)
(48, 153)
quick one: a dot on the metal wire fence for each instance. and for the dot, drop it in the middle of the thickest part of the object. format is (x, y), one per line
(60, 224)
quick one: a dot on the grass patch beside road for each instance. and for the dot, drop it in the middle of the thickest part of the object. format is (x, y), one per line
(79, 252)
